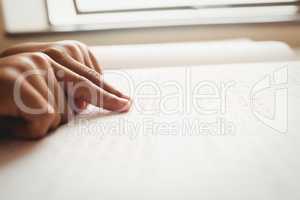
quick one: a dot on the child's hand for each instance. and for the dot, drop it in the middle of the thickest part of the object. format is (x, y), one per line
(39, 94)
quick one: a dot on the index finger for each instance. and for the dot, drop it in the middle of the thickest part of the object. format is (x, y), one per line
(83, 70)
(79, 87)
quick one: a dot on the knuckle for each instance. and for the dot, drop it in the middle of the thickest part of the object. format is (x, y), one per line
(8, 71)
(31, 62)
(73, 45)
(22, 59)
(39, 58)
(9, 74)
(37, 55)
(93, 73)
(73, 42)
(80, 45)
(55, 51)
(70, 46)
(21, 62)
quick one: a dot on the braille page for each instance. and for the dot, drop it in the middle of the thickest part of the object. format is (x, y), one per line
(194, 132)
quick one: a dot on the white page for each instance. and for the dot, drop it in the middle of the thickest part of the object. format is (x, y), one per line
(256, 157)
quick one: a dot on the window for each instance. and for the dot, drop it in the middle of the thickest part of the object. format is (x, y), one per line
(103, 14)
(88, 6)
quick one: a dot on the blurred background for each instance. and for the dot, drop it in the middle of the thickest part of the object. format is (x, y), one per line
(115, 22)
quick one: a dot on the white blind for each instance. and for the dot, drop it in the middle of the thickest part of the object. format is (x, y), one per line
(121, 5)
(117, 14)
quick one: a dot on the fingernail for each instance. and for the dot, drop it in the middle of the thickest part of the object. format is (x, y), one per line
(81, 104)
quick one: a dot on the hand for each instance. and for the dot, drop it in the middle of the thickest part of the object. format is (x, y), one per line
(35, 92)
(73, 50)
(74, 55)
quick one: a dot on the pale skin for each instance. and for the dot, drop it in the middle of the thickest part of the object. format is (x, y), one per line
(62, 63)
